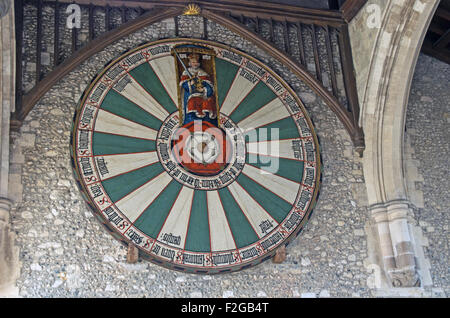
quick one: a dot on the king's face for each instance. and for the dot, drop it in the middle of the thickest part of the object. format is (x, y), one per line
(194, 64)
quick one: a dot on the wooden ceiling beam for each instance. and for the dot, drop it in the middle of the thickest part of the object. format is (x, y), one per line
(443, 41)
(350, 9)
(441, 54)
(249, 8)
(443, 13)
(222, 12)
(345, 116)
(437, 40)
(32, 97)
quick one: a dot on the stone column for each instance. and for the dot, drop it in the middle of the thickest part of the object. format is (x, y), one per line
(395, 243)
(392, 33)
(8, 251)
(9, 263)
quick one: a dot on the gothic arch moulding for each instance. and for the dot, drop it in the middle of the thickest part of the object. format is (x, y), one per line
(384, 102)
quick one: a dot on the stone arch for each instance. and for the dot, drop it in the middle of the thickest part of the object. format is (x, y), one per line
(384, 99)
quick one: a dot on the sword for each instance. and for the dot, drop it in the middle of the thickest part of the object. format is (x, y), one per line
(198, 84)
(181, 61)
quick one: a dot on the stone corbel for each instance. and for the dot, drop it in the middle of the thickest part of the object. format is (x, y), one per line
(396, 249)
(9, 253)
(5, 207)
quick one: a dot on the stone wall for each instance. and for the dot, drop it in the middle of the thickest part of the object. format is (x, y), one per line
(65, 252)
(427, 131)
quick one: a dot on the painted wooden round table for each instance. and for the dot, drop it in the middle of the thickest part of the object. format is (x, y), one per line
(198, 154)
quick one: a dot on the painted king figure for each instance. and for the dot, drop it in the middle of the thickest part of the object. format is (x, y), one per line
(199, 101)
(199, 145)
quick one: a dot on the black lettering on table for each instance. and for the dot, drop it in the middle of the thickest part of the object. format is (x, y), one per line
(170, 124)
(156, 248)
(170, 165)
(309, 177)
(309, 147)
(96, 191)
(86, 166)
(112, 215)
(304, 127)
(238, 165)
(271, 241)
(255, 68)
(274, 83)
(83, 140)
(290, 101)
(165, 133)
(168, 253)
(87, 116)
(101, 165)
(232, 56)
(251, 252)
(223, 259)
(164, 152)
(248, 76)
(134, 236)
(114, 72)
(227, 176)
(193, 259)
(176, 173)
(159, 49)
(298, 149)
(216, 183)
(167, 128)
(233, 172)
(171, 239)
(122, 83)
(135, 58)
(190, 180)
(95, 97)
(292, 221)
(265, 226)
(207, 184)
(304, 199)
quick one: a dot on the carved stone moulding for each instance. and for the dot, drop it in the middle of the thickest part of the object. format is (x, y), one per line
(5, 5)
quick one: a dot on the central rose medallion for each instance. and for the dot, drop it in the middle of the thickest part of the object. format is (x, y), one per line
(201, 155)
(201, 148)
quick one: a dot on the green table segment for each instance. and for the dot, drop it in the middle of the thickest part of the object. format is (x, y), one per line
(198, 154)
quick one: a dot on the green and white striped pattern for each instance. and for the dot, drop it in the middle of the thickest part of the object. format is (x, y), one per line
(114, 150)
